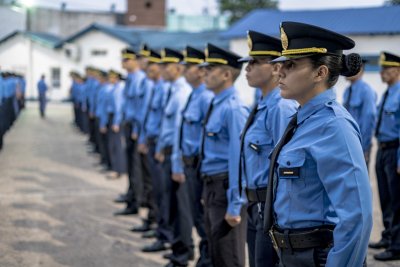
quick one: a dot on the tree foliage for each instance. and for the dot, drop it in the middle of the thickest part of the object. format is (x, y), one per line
(239, 8)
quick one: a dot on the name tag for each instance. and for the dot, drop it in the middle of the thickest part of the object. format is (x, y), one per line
(254, 147)
(211, 134)
(289, 172)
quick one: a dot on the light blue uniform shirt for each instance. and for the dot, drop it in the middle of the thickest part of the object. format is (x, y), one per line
(141, 101)
(106, 105)
(272, 117)
(155, 111)
(100, 99)
(222, 141)
(390, 123)
(42, 87)
(118, 103)
(170, 122)
(133, 81)
(192, 126)
(330, 184)
(362, 107)
(92, 93)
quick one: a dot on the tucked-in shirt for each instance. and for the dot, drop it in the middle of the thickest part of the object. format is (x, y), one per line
(362, 106)
(389, 129)
(132, 83)
(152, 124)
(42, 87)
(222, 141)
(272, 117)
(323, 179)
(187, 143)
(180, 91)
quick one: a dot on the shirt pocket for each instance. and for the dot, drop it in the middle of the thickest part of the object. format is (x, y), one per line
(291, 171)
(390, 108)
(192, 117)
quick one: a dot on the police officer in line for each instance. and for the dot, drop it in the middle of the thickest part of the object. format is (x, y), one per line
(85, 101)
(101, 119)
(225, 219)
(317, 169)
(388, 158)
(185, 162)
(147, 142)
(91, 91)
(134, 78)
(177, 95)
(360, 102)
(142, 98)
(78, 84)
(113, 104)
(265, 125)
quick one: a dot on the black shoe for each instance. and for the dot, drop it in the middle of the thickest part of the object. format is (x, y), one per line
(383, 243)
(145, 227)
(155, 247)
(167, 256)
(150, 234)
(126, 211)
(387, 255)
(121, 199)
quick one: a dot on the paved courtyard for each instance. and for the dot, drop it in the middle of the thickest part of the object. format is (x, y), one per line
(56, 207)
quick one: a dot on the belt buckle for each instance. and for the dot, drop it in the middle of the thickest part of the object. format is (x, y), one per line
(274, 243)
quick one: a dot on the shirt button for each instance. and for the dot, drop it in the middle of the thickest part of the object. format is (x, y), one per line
(288, 163)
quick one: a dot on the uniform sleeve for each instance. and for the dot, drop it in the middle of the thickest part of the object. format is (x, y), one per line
(398, 122)
(177, 164)
(342, 171)
(119, 103)
(235, 120)
(103, 113)
(368, 112)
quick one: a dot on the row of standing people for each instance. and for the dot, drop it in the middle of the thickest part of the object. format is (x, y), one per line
(290, 177)
(12, 91)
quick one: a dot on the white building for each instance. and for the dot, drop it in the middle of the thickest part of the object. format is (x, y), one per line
(372, 29)
(33, 54)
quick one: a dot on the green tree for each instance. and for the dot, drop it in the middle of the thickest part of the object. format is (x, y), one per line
(393, 2)
(238, 8)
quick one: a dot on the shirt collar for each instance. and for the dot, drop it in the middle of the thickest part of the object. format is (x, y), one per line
(199, 89)
(270, 99)
(224, 94)
(315, 104)
(394, 87)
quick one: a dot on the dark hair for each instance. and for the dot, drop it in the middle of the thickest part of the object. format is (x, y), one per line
(344, 65)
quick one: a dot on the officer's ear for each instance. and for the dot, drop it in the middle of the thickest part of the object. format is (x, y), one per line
(276, 68)
(321, 73)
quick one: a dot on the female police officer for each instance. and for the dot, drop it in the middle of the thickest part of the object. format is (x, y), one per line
(262, 131)
(318, 207)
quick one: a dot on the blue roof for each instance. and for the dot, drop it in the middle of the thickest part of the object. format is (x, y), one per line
(155, 38)
(46, 39)
(351, 21)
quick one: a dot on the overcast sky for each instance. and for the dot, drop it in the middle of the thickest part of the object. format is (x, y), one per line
(197, 6)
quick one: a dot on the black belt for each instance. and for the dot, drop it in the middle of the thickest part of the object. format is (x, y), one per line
(191, 161)
(311, 238)
(215, 177)
(167, 151)
(256, 195)
(389, 144)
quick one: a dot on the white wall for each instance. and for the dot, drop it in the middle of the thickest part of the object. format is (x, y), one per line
(365, 45)
(96, 40)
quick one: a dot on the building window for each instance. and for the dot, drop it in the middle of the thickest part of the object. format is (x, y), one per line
(98, 52)
(55, 78)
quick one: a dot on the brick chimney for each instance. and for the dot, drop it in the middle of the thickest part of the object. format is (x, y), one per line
(146, 13)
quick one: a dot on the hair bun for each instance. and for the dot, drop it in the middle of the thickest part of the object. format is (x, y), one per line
(351, 64)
